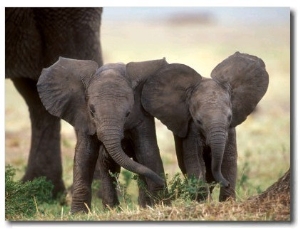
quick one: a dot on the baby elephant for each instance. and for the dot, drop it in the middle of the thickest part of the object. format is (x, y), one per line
(104, 107)
(203, 114)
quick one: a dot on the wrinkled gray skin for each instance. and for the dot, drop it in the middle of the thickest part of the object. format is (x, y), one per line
(34, 39)
(203, 114)
(104, 107)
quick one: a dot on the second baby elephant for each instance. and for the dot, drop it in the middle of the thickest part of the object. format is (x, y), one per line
(104, 107)
(202, 113)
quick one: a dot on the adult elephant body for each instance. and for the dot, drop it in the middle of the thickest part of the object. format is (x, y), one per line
(34, 39)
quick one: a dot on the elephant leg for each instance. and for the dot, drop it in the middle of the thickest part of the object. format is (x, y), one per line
(179, 153)
(147, 153)
(85, 159)
(105, 165)
(144, 198)
(190, 159)
(45, 153)
(229, 166)
(208, 176)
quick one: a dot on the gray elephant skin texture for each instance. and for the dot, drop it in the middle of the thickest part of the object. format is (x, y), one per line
(203, 112)
(34, 39)
(103, 104)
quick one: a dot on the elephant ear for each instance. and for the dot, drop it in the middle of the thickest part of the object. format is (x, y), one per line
(62, 91)
(137, 72)
(248, 79)
(165, 96)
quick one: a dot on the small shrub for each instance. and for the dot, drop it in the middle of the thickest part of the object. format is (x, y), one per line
(244, 186)
(123, 184)
(188, 189)
(21, 198)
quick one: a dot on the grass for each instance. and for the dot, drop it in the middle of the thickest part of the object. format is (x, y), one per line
(180, 211)
(263, 140)
(183, 207)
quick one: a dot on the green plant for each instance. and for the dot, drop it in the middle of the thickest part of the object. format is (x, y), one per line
(186, 188)
(244, 186)
(22, 198)
(123, 181)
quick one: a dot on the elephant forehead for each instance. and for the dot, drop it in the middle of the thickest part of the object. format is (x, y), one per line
(210, 94)
(111, 92)
(118, 68)
(110, 78)
(210, 90)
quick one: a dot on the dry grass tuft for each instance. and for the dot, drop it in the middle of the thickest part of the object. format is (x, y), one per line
(276, 200)
(266, 210)
(271, 205)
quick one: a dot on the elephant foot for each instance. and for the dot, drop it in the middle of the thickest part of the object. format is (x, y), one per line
(202, 194)
(144, 201)
(111, 205)
(156, 198)
(227, 194)
(81, 210)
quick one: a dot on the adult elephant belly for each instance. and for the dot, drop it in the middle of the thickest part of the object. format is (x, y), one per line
(23, 44)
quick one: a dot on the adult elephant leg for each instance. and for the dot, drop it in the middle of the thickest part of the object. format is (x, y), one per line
(85, 159)
(189, 153)
(229, 166)
(105, 166)
(147, 153)
(45, 153)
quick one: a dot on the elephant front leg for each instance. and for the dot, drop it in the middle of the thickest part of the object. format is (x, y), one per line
(107, 165)
(190, 160)
(229, 167)
(147, 153)
(45, 153)
(85, 159)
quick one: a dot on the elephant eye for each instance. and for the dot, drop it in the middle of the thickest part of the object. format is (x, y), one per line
(92, 110)
(199, 122)
(229, 118)
(127, 114)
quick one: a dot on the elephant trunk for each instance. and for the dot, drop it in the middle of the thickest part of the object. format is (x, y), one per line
(217, 142)
(111, 138)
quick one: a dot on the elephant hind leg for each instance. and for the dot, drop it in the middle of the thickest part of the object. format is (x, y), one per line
(45, 153)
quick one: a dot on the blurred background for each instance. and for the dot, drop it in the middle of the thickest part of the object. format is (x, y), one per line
(201, 38)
